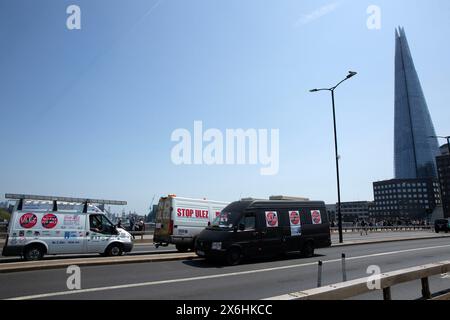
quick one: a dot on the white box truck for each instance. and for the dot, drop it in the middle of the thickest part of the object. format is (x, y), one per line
(43, 225)
(180, 220)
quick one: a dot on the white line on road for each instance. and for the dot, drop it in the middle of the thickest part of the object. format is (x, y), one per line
(152, 283)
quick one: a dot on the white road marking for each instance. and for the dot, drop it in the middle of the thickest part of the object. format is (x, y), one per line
(152, 283)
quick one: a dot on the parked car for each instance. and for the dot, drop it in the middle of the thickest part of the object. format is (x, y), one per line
(442, 225)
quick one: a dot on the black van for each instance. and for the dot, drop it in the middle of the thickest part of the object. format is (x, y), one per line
(252, 228)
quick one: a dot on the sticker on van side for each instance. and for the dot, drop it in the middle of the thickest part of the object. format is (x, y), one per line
(294, 218)
(49, 221)
(192, 213)
(316, 217)
(28, 220)
(271, 219)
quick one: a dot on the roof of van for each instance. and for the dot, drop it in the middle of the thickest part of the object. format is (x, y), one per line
(277, 203)
(202, 200)
(63, 207)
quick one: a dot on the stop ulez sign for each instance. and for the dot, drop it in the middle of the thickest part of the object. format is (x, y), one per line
(192, 213)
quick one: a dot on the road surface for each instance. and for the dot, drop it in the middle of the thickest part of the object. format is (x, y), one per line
(149, 247)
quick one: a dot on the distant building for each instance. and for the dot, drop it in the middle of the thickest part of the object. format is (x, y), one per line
(331, 211)
(444, 149)
(405, 198)
(351, 211)
(152, 214)
(443, 165)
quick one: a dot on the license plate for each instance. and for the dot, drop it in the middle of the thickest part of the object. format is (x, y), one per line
(200, 253)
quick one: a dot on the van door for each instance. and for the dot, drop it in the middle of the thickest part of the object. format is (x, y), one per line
(163, 221)
(247, 235)
(70, 234)
(271, 232)
(101, 230)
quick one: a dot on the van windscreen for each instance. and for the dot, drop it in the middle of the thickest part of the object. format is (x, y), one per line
(224, 220)
(230, 215)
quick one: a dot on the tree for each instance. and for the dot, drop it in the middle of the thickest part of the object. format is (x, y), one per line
(4, 215)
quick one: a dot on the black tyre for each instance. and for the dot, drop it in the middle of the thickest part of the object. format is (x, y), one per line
(233, 256)
(182, 248)
(114, 250)
(33, 253)
(437, 230)
(307, 250)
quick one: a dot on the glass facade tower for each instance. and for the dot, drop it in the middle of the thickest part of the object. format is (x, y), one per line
(415, 152)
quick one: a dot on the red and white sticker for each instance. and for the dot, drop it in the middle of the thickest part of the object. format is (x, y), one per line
(49, 221)
(271, 219)
(294, 218)
(192, 213)
(28, 220)
(316, 217)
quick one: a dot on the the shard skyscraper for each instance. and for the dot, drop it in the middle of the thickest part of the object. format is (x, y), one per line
(415, 152)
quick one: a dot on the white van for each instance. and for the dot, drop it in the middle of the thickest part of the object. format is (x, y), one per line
(43, 225)
(180, 220)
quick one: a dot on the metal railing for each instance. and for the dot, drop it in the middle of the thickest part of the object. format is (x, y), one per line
(386, 281)
(140, 234)
(150, 230)
(384, 228)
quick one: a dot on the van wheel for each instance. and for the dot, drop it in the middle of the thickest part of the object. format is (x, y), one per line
(233, 257)
(114, 250)
(307, 250)
(33, 253)
(182, 248)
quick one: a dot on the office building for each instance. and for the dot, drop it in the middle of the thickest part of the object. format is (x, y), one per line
(443, 165)
(405, 198)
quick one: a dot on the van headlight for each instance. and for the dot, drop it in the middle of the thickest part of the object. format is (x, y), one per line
(216, 246)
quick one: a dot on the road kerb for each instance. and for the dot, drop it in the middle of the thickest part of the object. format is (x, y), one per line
(56, 264)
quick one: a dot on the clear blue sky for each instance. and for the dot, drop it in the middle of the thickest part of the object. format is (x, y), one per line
(90, 112)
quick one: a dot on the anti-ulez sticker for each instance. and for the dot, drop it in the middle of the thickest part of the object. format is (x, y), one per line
(294, 218)
(271, 219)
(316, 217)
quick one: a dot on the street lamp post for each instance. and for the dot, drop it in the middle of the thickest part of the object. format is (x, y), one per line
(447, 138)
(350, 75)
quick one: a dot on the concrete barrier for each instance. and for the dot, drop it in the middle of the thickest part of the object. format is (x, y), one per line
(349, 289)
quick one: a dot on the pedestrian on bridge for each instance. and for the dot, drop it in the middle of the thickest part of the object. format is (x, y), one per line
(363, 228)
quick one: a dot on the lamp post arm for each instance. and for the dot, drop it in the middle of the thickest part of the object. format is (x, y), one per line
(339, 84)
